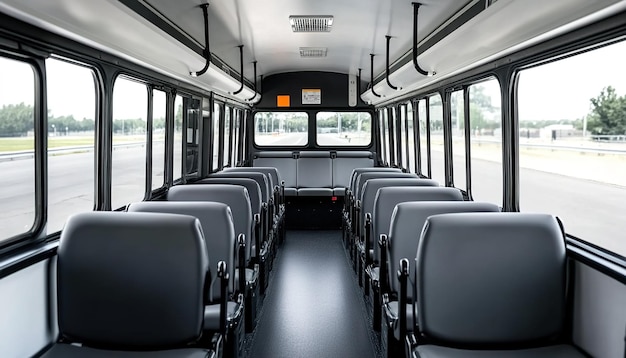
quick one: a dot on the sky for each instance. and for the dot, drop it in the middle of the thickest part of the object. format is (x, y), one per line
(559, 90)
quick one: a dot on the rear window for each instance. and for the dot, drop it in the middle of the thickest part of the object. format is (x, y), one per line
(346, 129)
(286, 129)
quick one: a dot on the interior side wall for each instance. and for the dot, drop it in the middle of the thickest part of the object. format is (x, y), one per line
(28, 320)
(599, 313)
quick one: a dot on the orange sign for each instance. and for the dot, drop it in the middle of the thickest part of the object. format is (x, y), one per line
(282, 101)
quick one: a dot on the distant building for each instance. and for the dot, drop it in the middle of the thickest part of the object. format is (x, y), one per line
(555, 131)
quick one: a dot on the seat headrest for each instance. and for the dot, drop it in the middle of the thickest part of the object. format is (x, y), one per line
(131, 279)
(491, 278)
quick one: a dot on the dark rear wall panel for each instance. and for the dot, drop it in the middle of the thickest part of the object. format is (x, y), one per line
(333, 86)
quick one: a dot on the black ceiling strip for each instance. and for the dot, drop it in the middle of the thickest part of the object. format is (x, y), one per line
(178, 34)
(476, 9)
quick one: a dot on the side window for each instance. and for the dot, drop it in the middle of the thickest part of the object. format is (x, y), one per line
(227, 136)
(402, 141)
(71, 138)
(486, 141)
(128, 177)
(572, 148)
(17, 145)
(423, 140)
(158, 138)
(235, 134)
(178, 138)
(217, 109)
(458, 139)
(411, 147)
(385, 135)
(435, 109)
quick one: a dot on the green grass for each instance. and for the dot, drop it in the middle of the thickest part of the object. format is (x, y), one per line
(20, 144)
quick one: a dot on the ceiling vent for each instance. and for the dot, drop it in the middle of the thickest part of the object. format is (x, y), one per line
(311, 23)
(313, 52)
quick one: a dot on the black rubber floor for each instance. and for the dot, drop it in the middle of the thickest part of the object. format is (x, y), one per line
(313, 307)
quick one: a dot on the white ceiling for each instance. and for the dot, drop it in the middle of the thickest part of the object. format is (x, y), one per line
(262, 26)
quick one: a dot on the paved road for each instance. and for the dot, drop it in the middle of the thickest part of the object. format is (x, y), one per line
(590, 210)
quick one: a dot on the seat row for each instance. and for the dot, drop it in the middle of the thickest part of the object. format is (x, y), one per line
(445, 273)
(241, 213)
(315, 173)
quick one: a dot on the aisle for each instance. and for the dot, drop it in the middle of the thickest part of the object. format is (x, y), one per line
(313, 307)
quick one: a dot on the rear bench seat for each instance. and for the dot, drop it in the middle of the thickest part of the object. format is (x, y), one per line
(315, 173)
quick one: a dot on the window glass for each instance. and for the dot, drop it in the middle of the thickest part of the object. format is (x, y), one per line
(244, 135)
(235, 148)
(216, 136)
(486, 141)
(128, 176)
(71, 137)
(381, 137)
(458, 139)
(423, 126)
(386, 145)
(343, 128)
(178, 138)
(158, 138)
(572, 153)
(402, 141)
(411, 149)
(435, 109)
(227, 136)
(281, 128)
(17, 143)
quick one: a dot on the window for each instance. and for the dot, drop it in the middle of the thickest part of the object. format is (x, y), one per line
(423, 127)
(281, 129)
(128, 177)
(339, 129)
(411, 148)
(235, 148)
(573, 144)
(217, 109)
(227, 136)
(458, 139)
(435, 109)
(402, 141)
(178, 138)
(17, 144)
(159, 100)
(385, 137)
(71, 94)
(486, 141)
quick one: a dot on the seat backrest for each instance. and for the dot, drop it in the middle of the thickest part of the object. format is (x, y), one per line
(235, 196)
(315, 170)
(131, 279)
(260, 178)
(217, 225)
(254, 191)
(345, 162)
(389, 196)
(358, 171)
(362, 178)
(505, 271)
(370, 190)
(272, 173)
(283, 161)
(407, 221)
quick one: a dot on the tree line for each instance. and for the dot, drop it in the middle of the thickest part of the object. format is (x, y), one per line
(16, 120)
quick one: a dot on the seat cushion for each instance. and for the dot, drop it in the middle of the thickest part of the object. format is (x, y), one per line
(70, 351)
(558, 351)
(339, 191)
(315, 192)
(291, 191)
(212, 315)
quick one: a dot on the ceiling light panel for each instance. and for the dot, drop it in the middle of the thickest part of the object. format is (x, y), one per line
(313, 52)
(311, 23)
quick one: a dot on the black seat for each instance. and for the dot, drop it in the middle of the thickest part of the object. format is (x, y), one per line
(504, 296)
(402, 241)
(130, 284)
